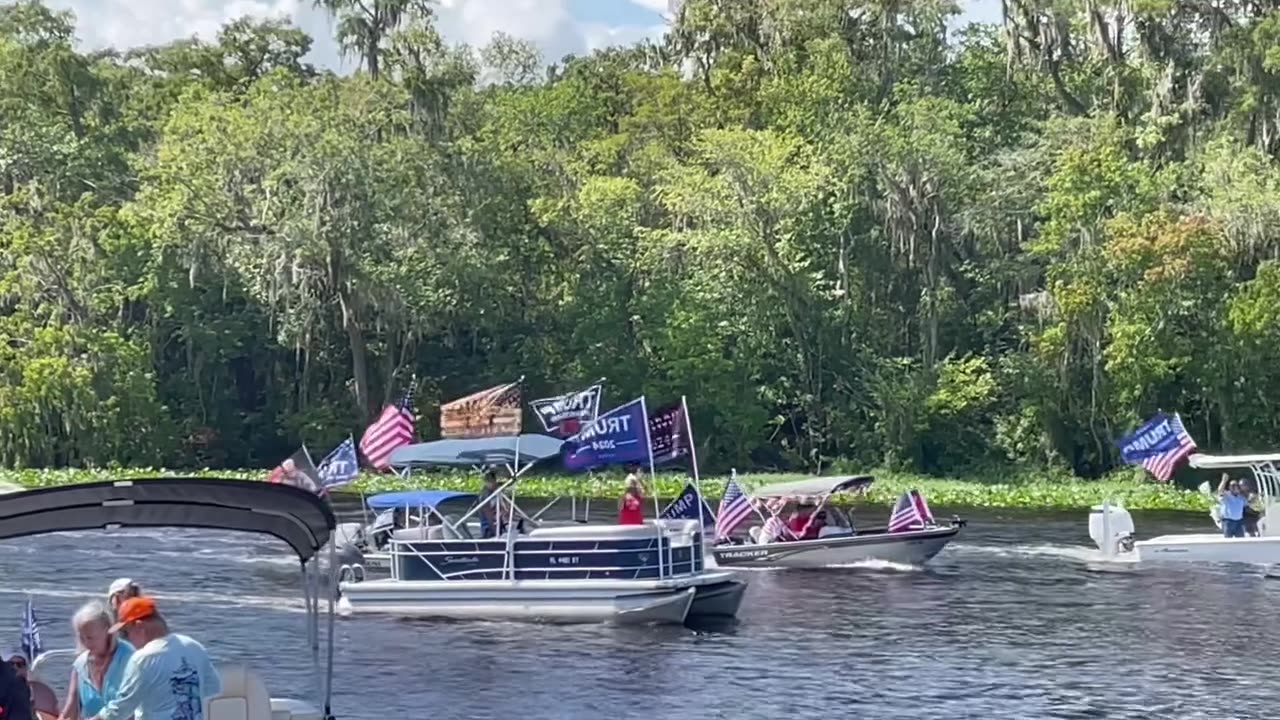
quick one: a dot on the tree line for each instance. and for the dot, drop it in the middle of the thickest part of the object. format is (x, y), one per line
(851, 232)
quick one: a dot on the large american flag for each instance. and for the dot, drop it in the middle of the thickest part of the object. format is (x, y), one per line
(1163, 464)
(910, 513)
(393, 429)
(734, 510)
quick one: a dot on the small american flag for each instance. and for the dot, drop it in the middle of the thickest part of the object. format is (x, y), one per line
(910, 513)
(31, 644)
(393, 429)
(734, 510)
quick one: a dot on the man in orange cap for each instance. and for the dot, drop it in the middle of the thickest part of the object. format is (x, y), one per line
(168, 676)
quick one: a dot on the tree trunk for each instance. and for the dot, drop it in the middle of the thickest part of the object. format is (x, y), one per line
(359, 352)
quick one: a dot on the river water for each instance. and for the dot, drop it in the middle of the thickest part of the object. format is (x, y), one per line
(1012, 620)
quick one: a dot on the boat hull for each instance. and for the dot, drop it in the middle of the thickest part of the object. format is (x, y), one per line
(1209, 548)
(907, 548)
(556, 601)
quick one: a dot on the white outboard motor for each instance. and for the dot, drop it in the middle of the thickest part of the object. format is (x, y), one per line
(1111, 527)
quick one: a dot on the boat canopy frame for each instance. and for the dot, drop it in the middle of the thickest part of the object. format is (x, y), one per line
(296, 516)
(1266, 475)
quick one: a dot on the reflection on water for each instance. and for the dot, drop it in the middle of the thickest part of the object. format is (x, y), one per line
(1016, 619)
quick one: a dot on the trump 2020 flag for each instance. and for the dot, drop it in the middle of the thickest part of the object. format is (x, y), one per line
(340, 466)
(685, 507)
(1159, 445)
(616, 437)
(564, 415)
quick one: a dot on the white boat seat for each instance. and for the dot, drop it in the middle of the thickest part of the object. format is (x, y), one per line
(243, 697)
(754, 532)
(834, 531)
(411, 534)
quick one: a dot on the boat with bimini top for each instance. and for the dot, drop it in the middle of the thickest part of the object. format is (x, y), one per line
(291, 514)
(819, 534)
(648, 573)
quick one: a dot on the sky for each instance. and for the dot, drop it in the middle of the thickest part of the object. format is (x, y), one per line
(557, 27)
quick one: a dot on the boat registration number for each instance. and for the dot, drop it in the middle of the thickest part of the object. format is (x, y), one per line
(564, 559)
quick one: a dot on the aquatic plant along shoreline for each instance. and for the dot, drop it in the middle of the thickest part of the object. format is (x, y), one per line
(1014, 491)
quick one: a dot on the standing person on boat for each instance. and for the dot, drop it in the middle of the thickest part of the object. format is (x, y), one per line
(1252, 509)
(122, 589)
(15, 694)
(169, 675)
(98, 671)
(490, 504)
(1233, 503)
(631, 504)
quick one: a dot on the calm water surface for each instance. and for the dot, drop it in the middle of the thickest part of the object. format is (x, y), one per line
(1011, 621)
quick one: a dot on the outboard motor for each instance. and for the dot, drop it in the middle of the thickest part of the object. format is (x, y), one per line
(1111, 527)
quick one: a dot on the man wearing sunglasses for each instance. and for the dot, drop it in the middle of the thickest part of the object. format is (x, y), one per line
(44, 702)
(15, 695)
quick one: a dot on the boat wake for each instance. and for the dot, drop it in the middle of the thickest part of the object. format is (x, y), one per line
(1078, 553)
(878, 566)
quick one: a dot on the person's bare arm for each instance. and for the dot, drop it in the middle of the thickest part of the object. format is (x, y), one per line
(1222, 486)
(71, 708)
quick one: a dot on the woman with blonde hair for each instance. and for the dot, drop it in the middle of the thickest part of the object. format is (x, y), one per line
(99, 668)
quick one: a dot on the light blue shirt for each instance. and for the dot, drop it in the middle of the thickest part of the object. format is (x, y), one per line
(1233, 506)
(92, 699)
(166, 679)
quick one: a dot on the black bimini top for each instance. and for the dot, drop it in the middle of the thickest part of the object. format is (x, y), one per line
(296, 516)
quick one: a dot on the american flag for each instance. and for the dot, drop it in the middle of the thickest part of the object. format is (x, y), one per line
(734, 510)
(910, 513)
(1163, 465)
(31, 644)
(1159, 445)
(393, 429)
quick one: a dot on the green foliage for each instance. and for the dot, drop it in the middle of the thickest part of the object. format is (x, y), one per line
(852, 235)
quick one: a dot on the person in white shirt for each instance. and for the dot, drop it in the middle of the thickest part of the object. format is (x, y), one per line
(168, 676)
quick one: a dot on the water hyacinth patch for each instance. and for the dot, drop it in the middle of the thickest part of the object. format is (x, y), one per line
(1021, 491)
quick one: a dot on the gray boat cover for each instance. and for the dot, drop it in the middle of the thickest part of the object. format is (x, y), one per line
(300, 518)
(527, 448)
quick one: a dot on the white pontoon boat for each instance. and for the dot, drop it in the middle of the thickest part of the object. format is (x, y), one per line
(832, 539)
(650, 573)
(1111, 525)
(296, 516)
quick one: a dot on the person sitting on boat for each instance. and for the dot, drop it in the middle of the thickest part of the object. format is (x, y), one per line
(169, 675)
(1233, 503)
(631, 504)
(120, 590)
(98, 670)
(15, 694)
(43, 700)
(1252, 509)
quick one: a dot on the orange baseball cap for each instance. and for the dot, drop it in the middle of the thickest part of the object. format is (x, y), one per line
(133, 610)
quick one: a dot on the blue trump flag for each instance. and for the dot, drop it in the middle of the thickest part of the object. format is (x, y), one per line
(340, 466)
(616, 437)
(685, 507)
(1159, 445)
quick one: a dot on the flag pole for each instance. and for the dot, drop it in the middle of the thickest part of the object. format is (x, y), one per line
(693, 460)
(648, 443)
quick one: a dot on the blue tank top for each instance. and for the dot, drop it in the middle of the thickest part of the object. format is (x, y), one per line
(94, 700)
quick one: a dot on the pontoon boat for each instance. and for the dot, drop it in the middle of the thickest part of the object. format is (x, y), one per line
(831, 538)
(408, 510)
(296, 516)
(650, 573)
(1111, 525)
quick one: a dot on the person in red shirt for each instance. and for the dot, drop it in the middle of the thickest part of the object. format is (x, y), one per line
(631, 504)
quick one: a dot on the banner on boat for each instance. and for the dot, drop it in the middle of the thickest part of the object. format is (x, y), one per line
(1159, 445)
(489, 413)
(685, 507)
(564, 415)
(297, 470)
(616, 437)
(668, 433)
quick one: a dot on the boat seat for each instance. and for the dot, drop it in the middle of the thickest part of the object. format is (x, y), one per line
(454, 531)
(834, 531)
(412, 534)
(243, 696)
(754, 532)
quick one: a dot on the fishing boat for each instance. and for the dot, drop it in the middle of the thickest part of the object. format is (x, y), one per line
(832, 539)
(293, 515)
(1111, 526)
(650, 573)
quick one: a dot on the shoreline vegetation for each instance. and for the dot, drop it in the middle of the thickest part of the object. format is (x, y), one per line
(1018, 491)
